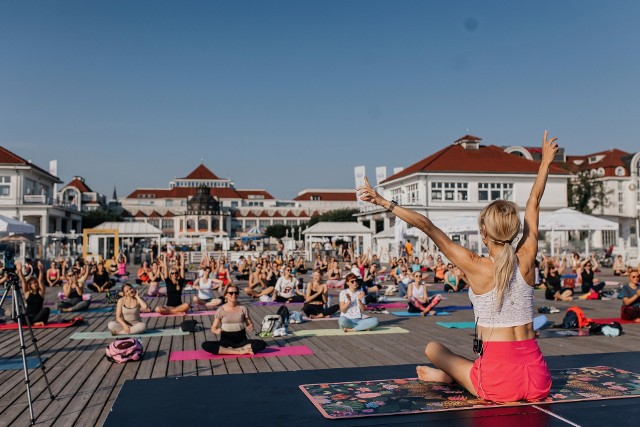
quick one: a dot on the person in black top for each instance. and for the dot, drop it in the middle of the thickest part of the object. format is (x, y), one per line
(73, 290)
(316, 299)
(586, 276)
(553, 282)
(175, 284)
(33, 290)
(101, 280)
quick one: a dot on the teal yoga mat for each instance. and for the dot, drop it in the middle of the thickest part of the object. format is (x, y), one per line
(457, 325)
(107, 335)
(339, 332)
(407, 314)
(15, 364)
(91, 310)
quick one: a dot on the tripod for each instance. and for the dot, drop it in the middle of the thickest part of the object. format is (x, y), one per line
(18, 314)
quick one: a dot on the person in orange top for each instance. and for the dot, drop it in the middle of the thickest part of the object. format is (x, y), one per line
(408, 247)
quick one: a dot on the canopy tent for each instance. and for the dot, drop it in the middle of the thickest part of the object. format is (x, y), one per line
(567, 219)
(463, 224)
(10, 225)
(97, 239)
(360, 235)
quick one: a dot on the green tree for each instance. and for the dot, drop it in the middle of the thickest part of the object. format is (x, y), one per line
(277, 231)
(338, 215)
(97, 217)
(586, 192)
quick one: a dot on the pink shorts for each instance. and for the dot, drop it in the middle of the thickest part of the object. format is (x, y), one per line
(511, 371)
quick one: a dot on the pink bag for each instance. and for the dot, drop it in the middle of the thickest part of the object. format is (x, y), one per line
(123, 350)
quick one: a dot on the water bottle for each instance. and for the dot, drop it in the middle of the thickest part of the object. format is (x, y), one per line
(328, 300)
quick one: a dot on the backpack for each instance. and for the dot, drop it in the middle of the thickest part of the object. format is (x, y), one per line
(123, 350)
(190, 326)
(270, 322)
(283, 312)
(612, 329)
(575, 318)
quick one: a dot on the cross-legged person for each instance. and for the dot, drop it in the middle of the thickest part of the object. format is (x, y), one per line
(174, 278)
(352, 307)
(128, 310)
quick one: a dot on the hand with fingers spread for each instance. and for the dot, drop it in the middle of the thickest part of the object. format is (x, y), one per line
(549, 148)
(366, 193)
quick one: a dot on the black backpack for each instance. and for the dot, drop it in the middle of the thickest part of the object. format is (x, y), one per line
(190, 326)
(283, 312)
(570, 321)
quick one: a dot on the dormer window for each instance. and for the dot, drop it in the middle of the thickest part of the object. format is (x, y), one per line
(600, 171)
(315, 198)
(620, 171)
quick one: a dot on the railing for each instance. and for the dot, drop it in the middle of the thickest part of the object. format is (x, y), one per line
(41, 199)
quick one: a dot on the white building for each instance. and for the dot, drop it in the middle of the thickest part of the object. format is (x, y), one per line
(460, 180)
(77, 193)
(27, 194)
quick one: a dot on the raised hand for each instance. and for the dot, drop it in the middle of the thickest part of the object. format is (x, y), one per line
(549, 148)
(366, 193)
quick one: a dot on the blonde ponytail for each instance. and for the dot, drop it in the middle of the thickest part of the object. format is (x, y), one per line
(500, 221)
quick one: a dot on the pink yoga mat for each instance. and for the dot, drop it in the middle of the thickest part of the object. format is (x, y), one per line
(612, 319)
(190, 313)
(387, 305)
(296, 350)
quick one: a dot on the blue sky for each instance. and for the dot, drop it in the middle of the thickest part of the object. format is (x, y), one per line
(286, 95)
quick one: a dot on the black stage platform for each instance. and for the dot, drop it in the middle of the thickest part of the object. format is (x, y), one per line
(274, 399)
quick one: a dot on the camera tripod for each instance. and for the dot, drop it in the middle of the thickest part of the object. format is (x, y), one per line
(18, 307)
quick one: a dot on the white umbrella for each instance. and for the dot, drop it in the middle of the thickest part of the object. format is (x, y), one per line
(10, 225)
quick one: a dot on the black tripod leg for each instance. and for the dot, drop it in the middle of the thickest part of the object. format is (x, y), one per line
(23, 352)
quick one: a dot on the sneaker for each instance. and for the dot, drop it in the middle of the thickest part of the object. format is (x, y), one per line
(553, 310)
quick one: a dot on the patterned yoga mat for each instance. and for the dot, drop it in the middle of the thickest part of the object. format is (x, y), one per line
(410, 396)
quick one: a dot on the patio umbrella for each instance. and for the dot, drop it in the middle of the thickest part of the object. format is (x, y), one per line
(10, 225)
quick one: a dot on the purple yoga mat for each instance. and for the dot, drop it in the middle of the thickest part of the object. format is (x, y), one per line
(276, 303)
(296, 350)
(189, 313)
(387, 305)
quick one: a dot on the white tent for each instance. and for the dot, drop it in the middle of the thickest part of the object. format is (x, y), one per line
(10, 225)
(360, 235)
(463, 224)
(567, 219)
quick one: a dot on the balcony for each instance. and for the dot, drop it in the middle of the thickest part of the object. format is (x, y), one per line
(40, 199)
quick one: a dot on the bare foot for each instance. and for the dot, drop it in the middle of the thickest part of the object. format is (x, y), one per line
(426, 373)
(637, 320)
(347, 330)
(38, 324)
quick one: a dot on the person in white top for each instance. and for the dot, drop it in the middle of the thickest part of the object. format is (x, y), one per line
(352, 305)
(286, 289)
(510, 366)
(419, 301)
(205, 286)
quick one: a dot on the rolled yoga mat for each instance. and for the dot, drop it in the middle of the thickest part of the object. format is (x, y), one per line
(340, 332)
(188, 313)
(16, 364)
(408, 314)
(412, 396)
(107, 335)
(76, 321)
(297, 350)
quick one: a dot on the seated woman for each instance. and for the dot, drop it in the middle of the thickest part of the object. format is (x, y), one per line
(419, 301)
(301, 267)
(369, 284)
(231, 322)
(154, 281)
(101, 280)
(439, 270)
(450, 279)
(128, 310)
(175, 284)
(143, 274)
(335, 278)
(205, 286)
(316, 298)
(619, 266)
(352, 305)
(286, 290)
(33, 290)
(53, 275)
(258, 284)
(586, 277)
(73, 289)
(462, 278)
(631, 299)
(553, 282)
(122, 265)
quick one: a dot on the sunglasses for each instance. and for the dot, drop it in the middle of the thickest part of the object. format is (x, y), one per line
(351, 281)
(232, 293)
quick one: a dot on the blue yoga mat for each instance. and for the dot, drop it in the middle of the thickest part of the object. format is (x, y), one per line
(15, 364)
(569, 276)
(455, 307)
(91, 310)
(407, 314)
(457, 325)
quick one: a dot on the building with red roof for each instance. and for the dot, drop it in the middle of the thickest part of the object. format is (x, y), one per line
(77, 193)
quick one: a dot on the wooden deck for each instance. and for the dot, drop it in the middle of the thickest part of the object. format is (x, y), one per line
(85, 384)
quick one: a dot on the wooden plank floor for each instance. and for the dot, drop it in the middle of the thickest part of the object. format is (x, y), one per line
(85, 384)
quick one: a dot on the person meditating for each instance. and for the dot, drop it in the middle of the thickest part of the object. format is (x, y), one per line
(205, 286)
(33, 290)
(175, 284)
(510, 366)
(73, 289)
(128, 310)
(631, 299)
(316, 298)
(352, 305)
(419, 301)
(231, 323)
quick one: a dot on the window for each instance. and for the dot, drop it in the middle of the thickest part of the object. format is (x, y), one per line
(600, 171)
(489, 191)
(621, 209)
(619, 171)
(620, 197)
(412, 194)
(168, 203)
(396, 194)
(5, 185)
(449, 191)
(315, 198)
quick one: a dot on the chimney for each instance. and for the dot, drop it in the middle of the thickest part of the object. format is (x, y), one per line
(469, 142)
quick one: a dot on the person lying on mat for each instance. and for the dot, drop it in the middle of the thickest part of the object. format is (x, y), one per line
(73, 290)
(258, 284)
(419, 302)
(631, 299)
(231, 323)
(510, 366)
(352, 305)
(33, 290)
(101, 281)
(175, 284)
(205, 286)
(128, 310)
(316, 298)
(286, 290)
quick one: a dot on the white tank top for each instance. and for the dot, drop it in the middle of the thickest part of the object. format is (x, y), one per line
(417, 291)
(205, 289)
(517, 304)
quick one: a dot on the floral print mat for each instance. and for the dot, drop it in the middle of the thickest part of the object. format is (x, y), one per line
(410, 396)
